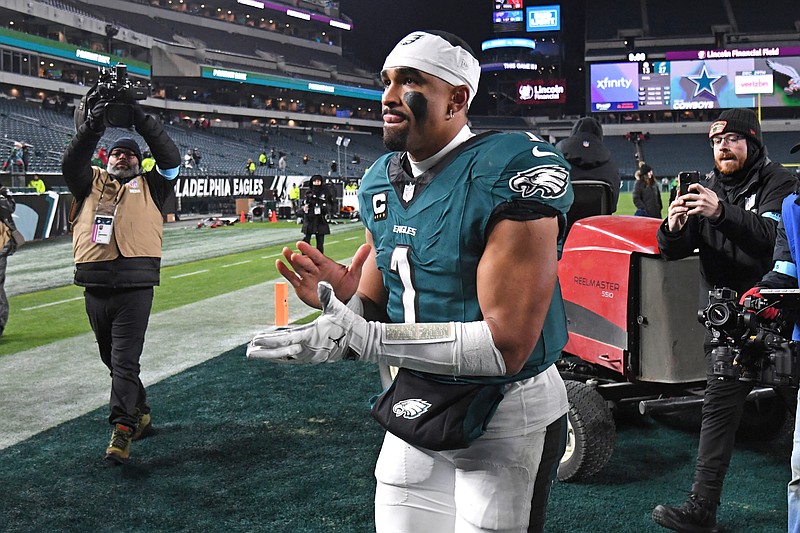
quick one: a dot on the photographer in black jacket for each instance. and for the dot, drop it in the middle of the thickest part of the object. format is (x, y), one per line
(117, 247)
(732, 219)
(315, 211)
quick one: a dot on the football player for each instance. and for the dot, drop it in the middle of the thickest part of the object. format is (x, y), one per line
(456, 284)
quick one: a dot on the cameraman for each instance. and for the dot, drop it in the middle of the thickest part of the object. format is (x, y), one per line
(732, 220)
(784, 276)
(117, 247)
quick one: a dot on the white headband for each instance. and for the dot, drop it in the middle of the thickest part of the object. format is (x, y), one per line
(434, 55)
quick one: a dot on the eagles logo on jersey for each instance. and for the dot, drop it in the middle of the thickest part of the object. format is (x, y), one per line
(546, 181)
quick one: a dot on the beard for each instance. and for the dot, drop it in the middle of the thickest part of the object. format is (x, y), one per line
(123, 174)
(729, 165)
(395, 141)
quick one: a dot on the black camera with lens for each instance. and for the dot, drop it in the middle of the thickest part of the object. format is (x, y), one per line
(746, 346)
(114, 86)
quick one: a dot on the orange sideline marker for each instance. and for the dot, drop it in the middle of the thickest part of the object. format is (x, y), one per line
(281, 303)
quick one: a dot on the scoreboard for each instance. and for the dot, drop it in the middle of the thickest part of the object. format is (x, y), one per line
(519, 16)
(698, 80)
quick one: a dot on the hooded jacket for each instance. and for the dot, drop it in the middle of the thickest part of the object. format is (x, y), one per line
(736, 249)
(589, 157)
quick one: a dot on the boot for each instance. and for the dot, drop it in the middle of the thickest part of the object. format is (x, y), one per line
(696, 515)
(144, 425)
(119, 449)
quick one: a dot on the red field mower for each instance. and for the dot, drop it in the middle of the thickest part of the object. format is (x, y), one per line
(634, 336)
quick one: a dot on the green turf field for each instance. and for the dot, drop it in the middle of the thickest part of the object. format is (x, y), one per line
(40, 317)
(255, 447)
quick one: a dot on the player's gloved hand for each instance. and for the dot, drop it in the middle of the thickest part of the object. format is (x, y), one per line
(323, 341)
(770, 313)
(96, 117)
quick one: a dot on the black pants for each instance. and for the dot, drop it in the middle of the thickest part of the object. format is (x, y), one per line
(555, 441)
(320, 241)
(119, 320)
(723, 404)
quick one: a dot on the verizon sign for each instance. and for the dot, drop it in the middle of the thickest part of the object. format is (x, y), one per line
(541, 92)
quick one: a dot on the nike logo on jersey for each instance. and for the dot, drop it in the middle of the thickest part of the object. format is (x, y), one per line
(544, 181)
(539, 153)
(411, 408)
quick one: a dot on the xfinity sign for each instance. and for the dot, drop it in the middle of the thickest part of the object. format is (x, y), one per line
(543, 18)
(619, 83)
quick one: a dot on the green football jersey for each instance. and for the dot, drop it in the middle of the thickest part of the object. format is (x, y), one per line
(428, 246)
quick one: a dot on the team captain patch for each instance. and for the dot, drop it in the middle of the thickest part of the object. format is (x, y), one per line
(419, 333)
(379, 206)
(545, 181)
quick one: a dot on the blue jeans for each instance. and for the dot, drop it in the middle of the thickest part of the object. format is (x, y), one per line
(794, 485)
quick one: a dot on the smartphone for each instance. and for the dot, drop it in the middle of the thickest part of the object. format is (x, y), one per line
(687, 178)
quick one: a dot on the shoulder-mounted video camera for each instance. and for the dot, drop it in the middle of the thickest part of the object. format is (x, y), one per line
(748, 347)
(118, 91)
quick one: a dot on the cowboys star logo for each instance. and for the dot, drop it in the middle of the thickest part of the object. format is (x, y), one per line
(545, 181)
(411, 408)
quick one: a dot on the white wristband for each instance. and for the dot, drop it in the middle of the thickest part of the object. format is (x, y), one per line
(455, 348)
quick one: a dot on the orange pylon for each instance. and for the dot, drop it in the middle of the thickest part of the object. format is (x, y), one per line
(281, 303)
(273, 215)
(241, 217)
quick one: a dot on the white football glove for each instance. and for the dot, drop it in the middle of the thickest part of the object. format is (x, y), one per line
(457, 348)
(323, 341)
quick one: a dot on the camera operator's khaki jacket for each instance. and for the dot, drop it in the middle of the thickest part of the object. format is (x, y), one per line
(137, 223)
(5, 236)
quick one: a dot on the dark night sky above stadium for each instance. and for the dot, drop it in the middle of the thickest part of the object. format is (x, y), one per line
(379, 24)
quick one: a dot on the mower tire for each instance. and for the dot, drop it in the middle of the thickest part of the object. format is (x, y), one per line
(590, 433)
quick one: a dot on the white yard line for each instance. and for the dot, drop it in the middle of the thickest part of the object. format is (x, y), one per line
(237, 264)
(189, 274)
(49, 304)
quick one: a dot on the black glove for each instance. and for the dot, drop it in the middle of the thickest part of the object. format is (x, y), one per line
(139, 116)
(96, 117)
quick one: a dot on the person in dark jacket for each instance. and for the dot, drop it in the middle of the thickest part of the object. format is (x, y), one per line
(315, 209)
(589, 157)
(117, 246)
(784, 276)
(646, 194)
(8, 245)
(732, 219)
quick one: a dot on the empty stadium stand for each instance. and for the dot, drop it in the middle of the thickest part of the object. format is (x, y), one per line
(224, 150)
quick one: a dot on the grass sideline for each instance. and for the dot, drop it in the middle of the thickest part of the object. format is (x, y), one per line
(42, 317)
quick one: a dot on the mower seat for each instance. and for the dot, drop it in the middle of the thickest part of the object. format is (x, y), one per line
(592, 197)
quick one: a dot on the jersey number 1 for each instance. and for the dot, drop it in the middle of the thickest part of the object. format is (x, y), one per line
(401, 266)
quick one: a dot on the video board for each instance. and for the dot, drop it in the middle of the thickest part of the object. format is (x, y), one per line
(519, 16)
(698, 80)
